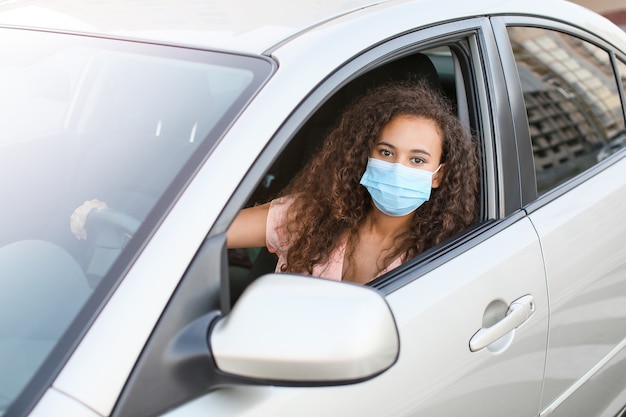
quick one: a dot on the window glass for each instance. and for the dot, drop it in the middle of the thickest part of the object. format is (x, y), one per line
(572, 101)
(85, 118)
(620, 141)
(621, 66)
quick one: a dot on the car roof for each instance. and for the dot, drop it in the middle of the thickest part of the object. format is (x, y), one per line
(248, 26)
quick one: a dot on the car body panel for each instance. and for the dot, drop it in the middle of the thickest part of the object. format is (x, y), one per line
(428, 310)
(55, 400)
(437, 308)
(586, 279)
(584, 269)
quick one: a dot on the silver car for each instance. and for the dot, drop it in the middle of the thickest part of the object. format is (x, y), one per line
(179, 114)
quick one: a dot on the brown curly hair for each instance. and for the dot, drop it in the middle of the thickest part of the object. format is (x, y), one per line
(328, 202)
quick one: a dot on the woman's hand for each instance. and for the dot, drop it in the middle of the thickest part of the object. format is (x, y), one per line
(79, 217)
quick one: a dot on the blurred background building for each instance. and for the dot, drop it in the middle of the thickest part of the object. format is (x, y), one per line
(614, 10)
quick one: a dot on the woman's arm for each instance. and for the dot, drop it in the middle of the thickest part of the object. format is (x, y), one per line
(248, 229)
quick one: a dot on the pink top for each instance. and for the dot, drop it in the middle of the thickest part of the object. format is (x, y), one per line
(276, 242)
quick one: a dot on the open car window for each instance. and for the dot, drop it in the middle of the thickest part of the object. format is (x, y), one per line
(445, 68)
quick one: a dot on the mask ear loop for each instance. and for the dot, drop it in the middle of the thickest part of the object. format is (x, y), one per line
(432, 176)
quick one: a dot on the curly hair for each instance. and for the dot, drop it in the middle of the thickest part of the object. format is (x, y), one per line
(328, 202)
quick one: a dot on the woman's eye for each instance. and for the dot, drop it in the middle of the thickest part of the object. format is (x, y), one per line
(417, 161)
(385, 152)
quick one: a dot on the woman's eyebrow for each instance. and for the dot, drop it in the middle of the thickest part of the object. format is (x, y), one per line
(387, 144)
(421, 151)
(418, 151)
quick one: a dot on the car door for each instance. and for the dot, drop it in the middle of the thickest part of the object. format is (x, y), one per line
(575, 113)
(472, 314)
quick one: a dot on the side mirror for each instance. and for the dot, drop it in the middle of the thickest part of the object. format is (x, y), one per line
(296, 330)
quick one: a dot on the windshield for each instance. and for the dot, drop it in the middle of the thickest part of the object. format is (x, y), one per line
(82, 119)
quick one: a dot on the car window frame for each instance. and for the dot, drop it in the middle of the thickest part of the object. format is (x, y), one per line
(531, 199)
(500, 160)
(499, 156)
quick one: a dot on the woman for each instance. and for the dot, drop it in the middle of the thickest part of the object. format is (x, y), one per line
(398, 175)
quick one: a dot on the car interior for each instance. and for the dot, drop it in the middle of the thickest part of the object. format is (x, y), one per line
(437, 66)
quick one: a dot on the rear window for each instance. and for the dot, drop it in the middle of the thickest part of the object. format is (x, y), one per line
(572, 100)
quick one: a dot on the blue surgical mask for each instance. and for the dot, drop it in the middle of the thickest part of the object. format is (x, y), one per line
(397, 190)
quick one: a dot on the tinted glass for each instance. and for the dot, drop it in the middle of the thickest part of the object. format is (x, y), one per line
(572, 101)
(620, 142)
(621, 69)
(85, 119)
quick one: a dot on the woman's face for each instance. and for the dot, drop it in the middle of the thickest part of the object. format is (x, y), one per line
(413, 142)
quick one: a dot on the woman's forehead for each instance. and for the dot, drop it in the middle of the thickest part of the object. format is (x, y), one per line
(412, 133)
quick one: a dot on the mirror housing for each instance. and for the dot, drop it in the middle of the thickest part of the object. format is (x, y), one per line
(299, 330)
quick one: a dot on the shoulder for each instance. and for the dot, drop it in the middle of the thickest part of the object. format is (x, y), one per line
(279, 207)
(277, 215)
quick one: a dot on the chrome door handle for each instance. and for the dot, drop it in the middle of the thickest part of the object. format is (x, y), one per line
(519, 311)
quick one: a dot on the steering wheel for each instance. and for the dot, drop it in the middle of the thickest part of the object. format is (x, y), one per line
(109, 231)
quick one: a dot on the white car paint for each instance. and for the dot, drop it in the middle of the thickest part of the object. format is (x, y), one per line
(297, 38)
